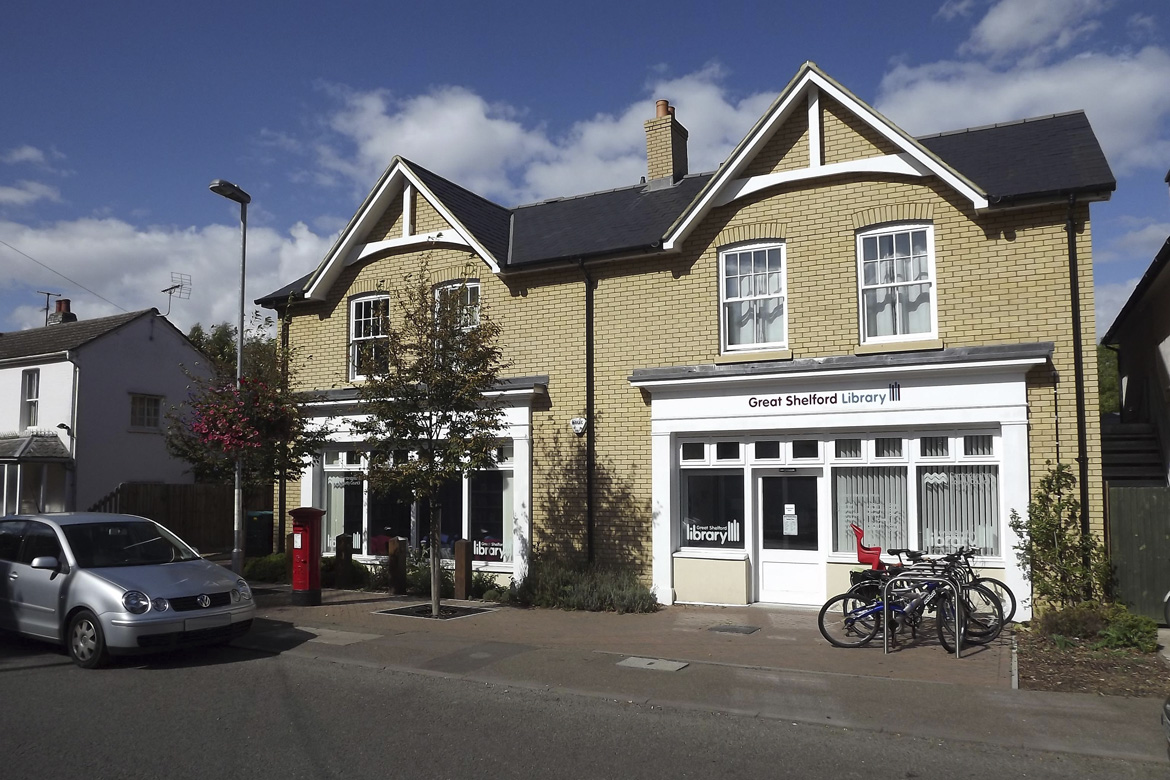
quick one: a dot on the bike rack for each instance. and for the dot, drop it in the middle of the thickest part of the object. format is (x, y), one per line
(960, 621)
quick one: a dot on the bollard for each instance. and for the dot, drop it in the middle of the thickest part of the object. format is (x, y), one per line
(288, 548)
(342, 568)
(396, 565)
(463, 569)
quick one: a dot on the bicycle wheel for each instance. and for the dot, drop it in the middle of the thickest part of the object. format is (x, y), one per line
(983, 613)
(847, 621)
(944, 619)
(1007, 599)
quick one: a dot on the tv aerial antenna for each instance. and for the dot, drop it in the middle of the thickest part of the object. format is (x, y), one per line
(180, 288)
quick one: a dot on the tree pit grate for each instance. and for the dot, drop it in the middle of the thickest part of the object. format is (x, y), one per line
(446, 611)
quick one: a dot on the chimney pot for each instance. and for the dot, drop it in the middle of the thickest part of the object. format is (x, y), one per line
(62, 305)
(661, 109)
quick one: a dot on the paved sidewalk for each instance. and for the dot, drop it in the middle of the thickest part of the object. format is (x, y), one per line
(678, 657)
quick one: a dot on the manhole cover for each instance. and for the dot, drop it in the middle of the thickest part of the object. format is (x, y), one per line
(657, 664)
(735, 629)
(446, 611)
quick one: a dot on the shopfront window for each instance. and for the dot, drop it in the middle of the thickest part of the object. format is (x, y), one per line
(874, 498)
(712, 509)
(958, 506)
(490, 516)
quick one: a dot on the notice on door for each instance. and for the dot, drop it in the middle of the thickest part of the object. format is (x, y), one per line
(790, 525)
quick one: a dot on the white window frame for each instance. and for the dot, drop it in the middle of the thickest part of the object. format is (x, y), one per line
(30, 397)
(724, 300)
(931, 280)
(470, 304)
(141, 418)
(355, 340)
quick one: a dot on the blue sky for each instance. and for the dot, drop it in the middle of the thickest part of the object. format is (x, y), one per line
(117, 116)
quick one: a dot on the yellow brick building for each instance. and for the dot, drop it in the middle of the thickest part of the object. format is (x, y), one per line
(712, 376)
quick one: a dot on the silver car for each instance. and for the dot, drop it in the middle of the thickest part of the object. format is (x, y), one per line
(105, 584)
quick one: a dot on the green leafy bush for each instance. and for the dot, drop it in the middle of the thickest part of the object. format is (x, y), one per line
(271, 568)
(1101, 626)
(557, 584)
(418, 576)
(359, 573)
(1126, 629)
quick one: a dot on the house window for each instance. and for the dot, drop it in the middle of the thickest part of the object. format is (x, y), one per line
(30, 395)
(753, 298)
(462, 294)
(145, 411)
(367, 335)
(897, 283)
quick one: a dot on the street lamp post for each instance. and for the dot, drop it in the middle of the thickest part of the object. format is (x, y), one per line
(232, 192)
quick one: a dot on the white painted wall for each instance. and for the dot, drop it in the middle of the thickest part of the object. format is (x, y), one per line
(56, 397)
(145, 356)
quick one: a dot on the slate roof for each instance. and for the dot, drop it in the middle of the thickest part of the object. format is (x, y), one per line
(37, 446)
(1029, 159)
(1012, 163)
(487, 221)
(66, 335)
(601, 223)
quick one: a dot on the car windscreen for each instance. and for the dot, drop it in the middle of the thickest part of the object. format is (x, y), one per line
(125, 543)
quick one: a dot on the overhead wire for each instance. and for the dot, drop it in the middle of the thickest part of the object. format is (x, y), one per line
(63, 276)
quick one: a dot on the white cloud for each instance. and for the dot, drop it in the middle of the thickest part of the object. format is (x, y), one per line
(1138, 245)
(130, 265)
(23, 154)
(1033, 26)
(953, 9)
(26, 193)
(1109, 300)
(1124, 95)
(491, 150)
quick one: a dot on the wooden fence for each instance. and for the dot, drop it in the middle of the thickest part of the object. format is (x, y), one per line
(201, 515)
(1139, 546)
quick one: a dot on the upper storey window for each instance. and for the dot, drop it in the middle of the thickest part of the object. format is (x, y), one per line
(462, 294)
(897, 283)
(367, 335)
(753, 294)
(30, 397)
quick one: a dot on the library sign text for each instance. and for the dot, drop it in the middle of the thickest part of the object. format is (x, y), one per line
(838, 399)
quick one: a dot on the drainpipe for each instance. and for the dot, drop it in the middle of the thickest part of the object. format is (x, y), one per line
(1078, 365)
(590, 439)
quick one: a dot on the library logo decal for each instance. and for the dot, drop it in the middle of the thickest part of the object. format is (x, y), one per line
(840, 398)
(728, 533)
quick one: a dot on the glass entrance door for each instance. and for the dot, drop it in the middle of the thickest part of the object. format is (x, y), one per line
(790, 562)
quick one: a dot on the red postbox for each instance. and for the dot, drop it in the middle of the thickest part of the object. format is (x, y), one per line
(306, 556)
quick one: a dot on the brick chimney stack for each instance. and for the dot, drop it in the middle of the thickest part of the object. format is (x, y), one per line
(62, 314)
(666, 146)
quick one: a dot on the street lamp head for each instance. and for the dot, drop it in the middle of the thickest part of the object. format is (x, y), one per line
(230, 191)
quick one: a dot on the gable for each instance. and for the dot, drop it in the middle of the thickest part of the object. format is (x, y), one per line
(408, 208)
(844, 136)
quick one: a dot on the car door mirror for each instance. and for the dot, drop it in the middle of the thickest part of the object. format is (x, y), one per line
(45, 562)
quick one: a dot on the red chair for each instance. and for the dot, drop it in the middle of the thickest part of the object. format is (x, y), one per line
(868, 555)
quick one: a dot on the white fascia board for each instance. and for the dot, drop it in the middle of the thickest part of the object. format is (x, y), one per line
(904, 164)
(399, 177)
(435, 237)
(886, 129)
(985, 366)
(779, 113)
(813, 85)
(359, 226)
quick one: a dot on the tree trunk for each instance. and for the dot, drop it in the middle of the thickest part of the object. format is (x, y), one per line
(436, 524)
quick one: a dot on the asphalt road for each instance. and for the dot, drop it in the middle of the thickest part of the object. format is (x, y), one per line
(230, 712)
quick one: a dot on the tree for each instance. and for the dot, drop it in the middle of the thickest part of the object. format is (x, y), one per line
(1065, 566)
(429, 417)
(261, 422)
(1108, 384)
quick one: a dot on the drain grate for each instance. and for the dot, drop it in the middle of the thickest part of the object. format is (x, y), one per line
(656, 664)
(446, 611)
(735, 629)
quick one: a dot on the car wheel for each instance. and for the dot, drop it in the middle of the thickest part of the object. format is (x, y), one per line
(87, 644)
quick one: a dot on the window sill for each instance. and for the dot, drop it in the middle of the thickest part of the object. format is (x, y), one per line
(755, 357)
(898, 346)
(156, 431)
